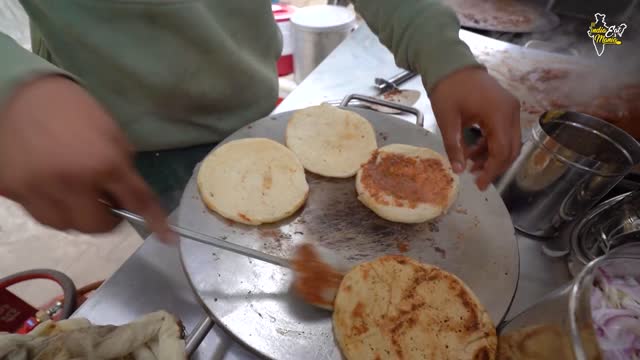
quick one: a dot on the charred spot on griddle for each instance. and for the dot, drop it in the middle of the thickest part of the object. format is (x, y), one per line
(440, 251)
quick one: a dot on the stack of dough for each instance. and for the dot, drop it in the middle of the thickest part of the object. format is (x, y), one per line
(396, 308)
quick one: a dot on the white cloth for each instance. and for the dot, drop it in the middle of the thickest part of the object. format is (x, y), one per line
(156, 336)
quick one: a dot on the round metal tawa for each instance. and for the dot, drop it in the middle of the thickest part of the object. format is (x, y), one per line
(545, 22)
(252, 299)
(495, 15)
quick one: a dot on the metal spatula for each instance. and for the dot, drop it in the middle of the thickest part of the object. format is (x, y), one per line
(305, 270)
(209, 240)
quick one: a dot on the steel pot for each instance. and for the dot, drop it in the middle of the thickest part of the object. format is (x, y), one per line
(570, 162)
(317, 31)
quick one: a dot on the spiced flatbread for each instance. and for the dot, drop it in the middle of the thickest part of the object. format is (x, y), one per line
(397, 308)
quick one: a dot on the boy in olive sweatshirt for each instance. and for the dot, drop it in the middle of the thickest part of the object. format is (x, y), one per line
(109, 78)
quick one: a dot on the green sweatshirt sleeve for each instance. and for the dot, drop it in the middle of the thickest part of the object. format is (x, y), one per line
(423, 35)
(18, 65)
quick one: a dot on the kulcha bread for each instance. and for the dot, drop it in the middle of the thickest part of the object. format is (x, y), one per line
(397, 308)
(252, 181)
(407, 184)
(542, 342)
(330, 141)
(155, 336)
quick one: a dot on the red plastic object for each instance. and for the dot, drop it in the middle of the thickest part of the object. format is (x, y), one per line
(15, 313)
(282, 14)
(28, 325)
(285, 65)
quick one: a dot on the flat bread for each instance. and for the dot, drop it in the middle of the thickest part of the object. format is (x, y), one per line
(407, 184)
(397, 308)
(330, 141)
(547, 341)
(253, 181)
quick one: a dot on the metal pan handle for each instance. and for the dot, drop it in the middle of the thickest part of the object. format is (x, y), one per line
(197, 335)
(371, 100)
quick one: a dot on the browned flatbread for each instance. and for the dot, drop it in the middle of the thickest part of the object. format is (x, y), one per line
(397, 308)
(542, 342)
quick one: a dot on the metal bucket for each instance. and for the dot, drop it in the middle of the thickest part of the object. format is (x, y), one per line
(571, 161)
(317, 31)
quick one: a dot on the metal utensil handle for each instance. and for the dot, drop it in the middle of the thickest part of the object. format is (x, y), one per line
(371, 100)
(209, 240)
(197, 335)
(395, 81)
(403, 77)
(339, 103)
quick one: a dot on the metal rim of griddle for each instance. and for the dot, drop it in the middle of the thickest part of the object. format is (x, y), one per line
(545, 22)
(194, 258)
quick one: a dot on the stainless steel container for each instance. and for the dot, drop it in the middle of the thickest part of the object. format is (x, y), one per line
(570, 162)
(317, 31)
(611, 224)
(560, 326)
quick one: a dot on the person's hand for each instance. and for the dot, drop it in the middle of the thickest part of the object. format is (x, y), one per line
(60, 152)
(470, 96)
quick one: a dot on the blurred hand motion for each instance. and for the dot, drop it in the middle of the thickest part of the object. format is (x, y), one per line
(468, 97)
(60, 152)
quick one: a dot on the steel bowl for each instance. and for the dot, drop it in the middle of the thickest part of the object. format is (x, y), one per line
(560, 326)
(611, 224)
